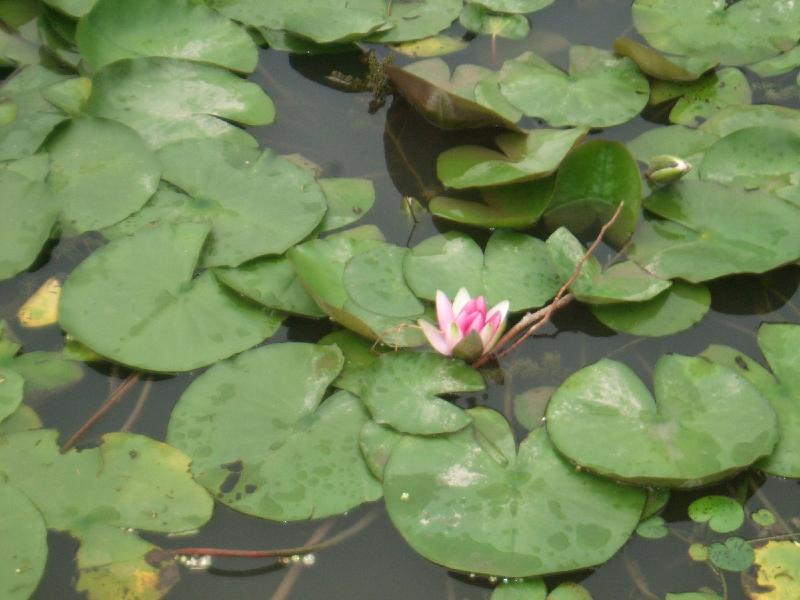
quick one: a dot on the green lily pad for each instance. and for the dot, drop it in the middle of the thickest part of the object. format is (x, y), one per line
(286, 42)
(524, 157)
(452, 102)
(734, 118)
(436, 45)
(514, 6)
(475, 505)
(477, 19)
(271, 281)
(23, 419)
(657, 65)
(693, 596)
(778, 574)
(117, 29)
(734, 34)
(657, 499)
(700, 99)
(413, 19)
(710, 230)
(135, 301)
(24, 553)
(70, 95)
(600, 90)
(675, 309)
(73, 8)
(530, 405)
(763, 517)
(780, 344)
(569, 590)
(765, 158)
(328, 25)
(735, 554)
(514, 267)
(777, 65)
(653, 528)
(622, 282)
(402, 391)
(44, 371)
(528, 589)
(101, 172)
(321, 266)
(348, 198)
(258, 203)
(166, 100)
(516, 206)
(691, 435)
(723, 514)
(591, 182)
(698, 552)
(16, 51)
(11, 392)
(129, 481)
(29, 213)
(24, 128)
(359, 356)
(675, 140)
(261, 439)
(377, 443)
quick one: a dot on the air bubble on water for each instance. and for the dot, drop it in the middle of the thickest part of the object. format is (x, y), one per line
(295, 558)
(492, 579)
(405, 496)
(309, 560)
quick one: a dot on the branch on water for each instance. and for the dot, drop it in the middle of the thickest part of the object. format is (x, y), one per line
(534, 321)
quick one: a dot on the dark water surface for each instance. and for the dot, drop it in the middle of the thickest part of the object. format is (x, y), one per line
(397, 149)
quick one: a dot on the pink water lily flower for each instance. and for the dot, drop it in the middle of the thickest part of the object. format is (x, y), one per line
(466, 330)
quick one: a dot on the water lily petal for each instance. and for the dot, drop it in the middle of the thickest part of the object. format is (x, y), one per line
(444, 310)
(460, 301)
(480, 304)
(500, 308)
(453, 335)
(434, 337)
(487, 334)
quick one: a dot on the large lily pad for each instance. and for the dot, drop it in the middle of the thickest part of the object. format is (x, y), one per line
(348, 198)
(28, 117)
(674, 140)
(514, 267)
(734, 118)
(524, 157)
(591, 182)
(661, 67)
(778, 571)
(453, 102)
(258, 203)
(166, 100)
(117, 29)
(621, 282)
(477, 19)
(73, 8)
(673, 310)
(101, 171)
(321, 266)
(605, 419)
(135, 301)
(732, 34)
(710, 230)
(600, 90)
(29, 213)
(470, 502)
(24, 553)
(516, 206)
(401, 391)
(261, 439)
(781, 345)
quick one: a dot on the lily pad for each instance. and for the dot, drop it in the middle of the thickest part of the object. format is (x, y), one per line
(377, 443)
(653, 528)
(166, 100)
(321, 266)
(690, 436)
(765, 158)
(675, 140)
(462, 502)
(73, 8)
(675, 309)
(777, 65)
(516, 206)
(261, 439)
(657, 65)
(734, 118)
(700, 99)
(413, 19)
(402, 390)
(359, 356)
(735, 554)
(723, 514)
(451, 102)
(569, 590)
(732, 34)
(437, 45)
(43, 371)
(135, 301)
(514, 6)
(524, 157)
(763, 517)
(29, 118)
(24, 554)
(101, 172)
(528, 589)
(780, 344)
(600, 90)
(622, 282)
(709, 230)
(778, 571)
(29, 213)
(23, 419)
(477, 19)
(117, 29)
(258, 203)
(514, 267)
(591, 182)
(348, 198)
(11, 392)
(70, 95)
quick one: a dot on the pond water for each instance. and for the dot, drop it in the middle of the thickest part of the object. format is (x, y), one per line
(396, 149)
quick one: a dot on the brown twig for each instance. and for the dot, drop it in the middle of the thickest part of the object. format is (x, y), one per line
(165, 553)
(112, 399)
(137, 408)
(543, 316)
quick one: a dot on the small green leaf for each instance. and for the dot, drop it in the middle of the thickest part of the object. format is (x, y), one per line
(653, 528)
(569, 591)
(763, 517)
(735, 554)
(528, 589)
(698, 552)
(723, 514)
